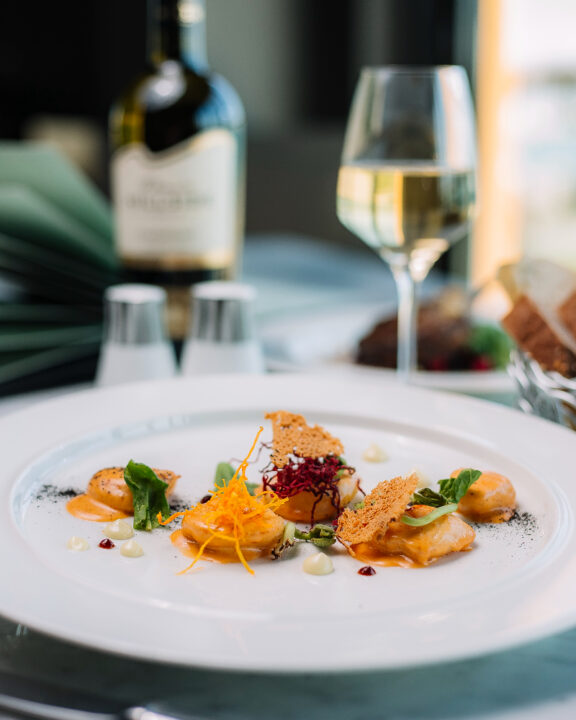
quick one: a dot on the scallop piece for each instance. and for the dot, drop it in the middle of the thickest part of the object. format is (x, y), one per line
(491, 499)
(109, 487)
(262, 532)
(301, 507)
(426, 543)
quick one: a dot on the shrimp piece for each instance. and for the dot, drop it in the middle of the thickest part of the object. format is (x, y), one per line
(491, 499)
(108, 487)
(426, 543)
(261, 532)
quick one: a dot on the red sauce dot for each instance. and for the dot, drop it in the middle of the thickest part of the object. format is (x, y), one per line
(107, 544)
(366, 570)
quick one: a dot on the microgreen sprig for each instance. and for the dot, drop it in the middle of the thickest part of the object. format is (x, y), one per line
(451, 491)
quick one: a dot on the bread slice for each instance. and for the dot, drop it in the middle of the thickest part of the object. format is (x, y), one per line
(567, 313)
(544, 296)
(541, 279)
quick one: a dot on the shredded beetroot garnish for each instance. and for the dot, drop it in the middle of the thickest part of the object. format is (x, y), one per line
(318, 476)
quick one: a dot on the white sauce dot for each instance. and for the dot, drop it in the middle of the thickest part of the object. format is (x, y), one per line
(78, 544)
(119, 530)
(423, 479)
(318, 564)
(131, 549)
(374, 454)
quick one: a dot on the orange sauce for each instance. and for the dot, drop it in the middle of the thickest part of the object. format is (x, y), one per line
(499, 515)
(190, 549)
(298, 508)
(85, 507)
(367, 553)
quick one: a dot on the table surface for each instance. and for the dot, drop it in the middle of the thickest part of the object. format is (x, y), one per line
(536, 681)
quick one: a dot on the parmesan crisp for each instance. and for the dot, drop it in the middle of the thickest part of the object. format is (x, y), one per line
(291, 435)
(386, 502)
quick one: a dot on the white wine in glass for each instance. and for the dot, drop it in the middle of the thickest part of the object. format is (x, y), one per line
(406, 184)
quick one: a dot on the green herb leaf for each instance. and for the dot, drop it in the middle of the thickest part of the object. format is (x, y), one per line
(320, 535)
(148, 493)
(427, 496)
(224, 473)
(430, 517)
(454, 489)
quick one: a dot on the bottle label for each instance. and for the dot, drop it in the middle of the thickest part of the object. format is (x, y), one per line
(177, 208)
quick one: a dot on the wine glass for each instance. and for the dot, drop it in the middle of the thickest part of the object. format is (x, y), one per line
(406, 184)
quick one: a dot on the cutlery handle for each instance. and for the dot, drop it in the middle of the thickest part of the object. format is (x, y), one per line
(33, 710)
(143, 713)
(21, 708)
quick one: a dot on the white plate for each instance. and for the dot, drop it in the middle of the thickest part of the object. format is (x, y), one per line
(326, 341)
(518, 583)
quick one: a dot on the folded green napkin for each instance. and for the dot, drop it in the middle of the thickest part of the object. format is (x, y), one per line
(45, 171)
(56, 249)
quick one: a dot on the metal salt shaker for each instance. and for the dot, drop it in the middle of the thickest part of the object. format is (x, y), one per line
(222, 337)
(135, 346)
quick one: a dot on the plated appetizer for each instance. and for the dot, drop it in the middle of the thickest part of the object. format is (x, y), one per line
(306, 480)
(307, 470)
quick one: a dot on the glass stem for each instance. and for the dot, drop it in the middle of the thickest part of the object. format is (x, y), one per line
(406, 287)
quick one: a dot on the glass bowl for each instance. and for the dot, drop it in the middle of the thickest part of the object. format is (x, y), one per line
(546, 394)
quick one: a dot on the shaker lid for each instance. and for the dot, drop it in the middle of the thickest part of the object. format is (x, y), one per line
(134, 314)
(222, 311)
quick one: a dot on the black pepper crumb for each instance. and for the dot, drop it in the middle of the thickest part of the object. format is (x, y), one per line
(526, 521)
(53, 493)
(522, 525)
(179, 505)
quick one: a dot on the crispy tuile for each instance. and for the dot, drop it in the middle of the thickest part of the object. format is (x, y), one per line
(386, 502)
(291, 435)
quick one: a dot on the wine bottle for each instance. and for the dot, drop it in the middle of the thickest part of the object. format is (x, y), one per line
(177, 138)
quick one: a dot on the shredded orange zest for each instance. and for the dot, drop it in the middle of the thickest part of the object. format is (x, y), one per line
(230, 508)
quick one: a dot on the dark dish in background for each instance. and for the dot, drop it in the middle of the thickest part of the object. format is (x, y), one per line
(449, 338)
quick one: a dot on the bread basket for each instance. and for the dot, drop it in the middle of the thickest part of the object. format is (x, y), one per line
(546, 394)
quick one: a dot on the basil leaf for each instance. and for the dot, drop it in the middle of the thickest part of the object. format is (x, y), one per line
(148, 493)
(454, 489)
(224, 473)
(427, 496)
(430, 517)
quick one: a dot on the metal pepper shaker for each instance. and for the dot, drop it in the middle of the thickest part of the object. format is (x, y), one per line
(222, 336)
(135, 344)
